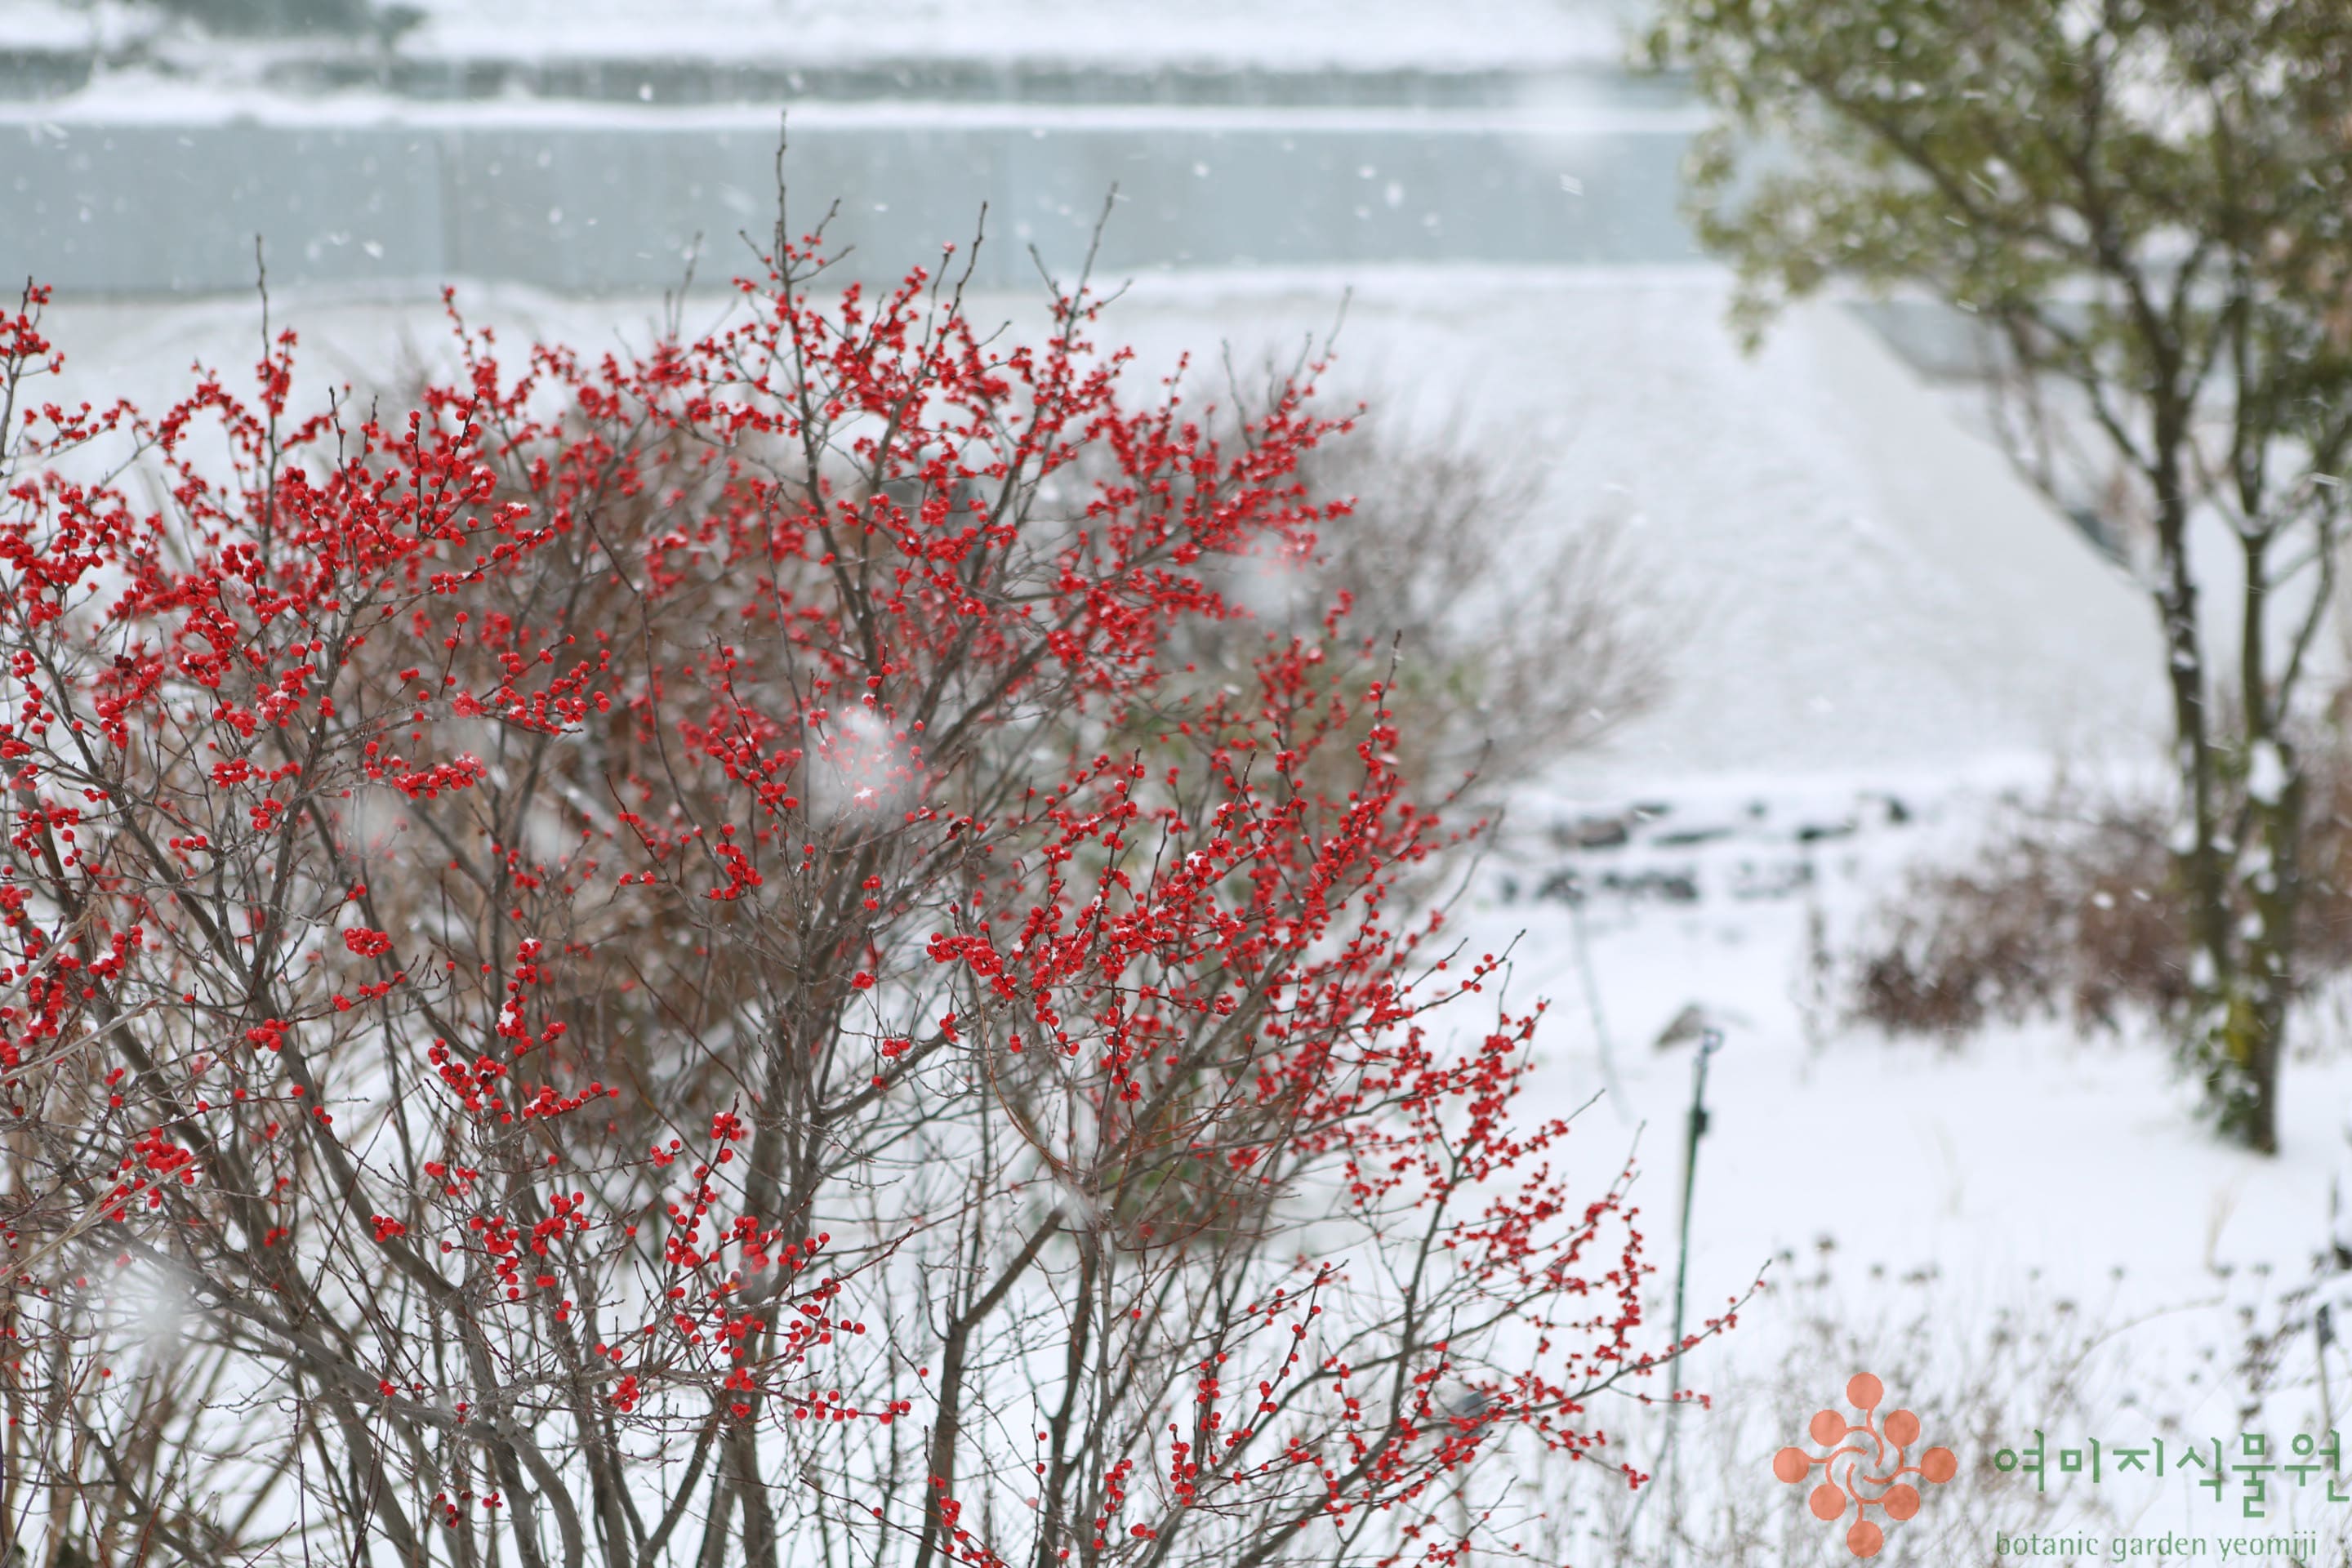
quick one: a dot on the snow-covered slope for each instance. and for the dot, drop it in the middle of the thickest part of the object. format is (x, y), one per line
(1850, 583)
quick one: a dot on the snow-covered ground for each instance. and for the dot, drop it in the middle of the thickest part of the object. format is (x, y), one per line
(1874, 631)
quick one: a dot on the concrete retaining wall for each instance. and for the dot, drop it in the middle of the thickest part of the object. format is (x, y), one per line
(584, 200)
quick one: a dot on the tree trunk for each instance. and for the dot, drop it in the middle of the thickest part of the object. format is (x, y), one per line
(2241, 927)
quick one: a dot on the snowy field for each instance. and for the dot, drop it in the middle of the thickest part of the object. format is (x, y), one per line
(1875, 632)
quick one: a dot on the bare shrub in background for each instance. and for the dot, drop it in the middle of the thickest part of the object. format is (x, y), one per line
(1522, 632)
(2071, 908)
(2065, 910)
(1519, 636)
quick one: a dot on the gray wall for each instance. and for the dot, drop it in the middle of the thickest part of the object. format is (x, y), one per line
(588, 199)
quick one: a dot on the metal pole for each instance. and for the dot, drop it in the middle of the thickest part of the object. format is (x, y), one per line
(1709, 1043)
(2325, 1328)
(1694, 1128)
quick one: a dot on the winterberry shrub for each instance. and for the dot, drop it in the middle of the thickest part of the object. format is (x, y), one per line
(656, 959)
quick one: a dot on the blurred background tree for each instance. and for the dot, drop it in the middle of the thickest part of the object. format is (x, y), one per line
(2145, 207)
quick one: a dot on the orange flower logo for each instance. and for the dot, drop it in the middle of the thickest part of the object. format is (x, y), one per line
(1865, 1464)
